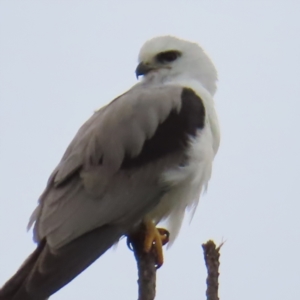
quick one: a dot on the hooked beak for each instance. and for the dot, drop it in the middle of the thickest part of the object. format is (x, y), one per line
(143, 69)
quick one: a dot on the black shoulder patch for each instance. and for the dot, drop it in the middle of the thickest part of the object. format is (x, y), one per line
(173, 134)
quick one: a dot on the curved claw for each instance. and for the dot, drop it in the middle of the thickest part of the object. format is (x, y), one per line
(129, 244)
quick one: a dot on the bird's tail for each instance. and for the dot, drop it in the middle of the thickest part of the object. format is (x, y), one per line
(46, 271)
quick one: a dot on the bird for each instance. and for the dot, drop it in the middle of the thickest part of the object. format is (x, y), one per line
(144, 158)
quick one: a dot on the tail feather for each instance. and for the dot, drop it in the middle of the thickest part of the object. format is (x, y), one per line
(9, 289)
(46, 271)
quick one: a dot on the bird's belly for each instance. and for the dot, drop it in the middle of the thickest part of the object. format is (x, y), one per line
(186, 183)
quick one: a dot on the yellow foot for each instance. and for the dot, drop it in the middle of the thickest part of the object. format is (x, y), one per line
(155, 239)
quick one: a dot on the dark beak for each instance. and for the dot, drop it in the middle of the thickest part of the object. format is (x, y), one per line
(142, 69)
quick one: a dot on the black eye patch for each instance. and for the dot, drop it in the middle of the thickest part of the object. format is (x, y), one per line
(168, 56)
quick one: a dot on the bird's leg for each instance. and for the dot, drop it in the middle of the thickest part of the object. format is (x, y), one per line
(155, 239)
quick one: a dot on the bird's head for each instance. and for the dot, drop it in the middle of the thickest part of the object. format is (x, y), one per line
(166, 58)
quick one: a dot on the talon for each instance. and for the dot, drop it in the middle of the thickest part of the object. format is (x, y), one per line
(129, 244)
(155, 239)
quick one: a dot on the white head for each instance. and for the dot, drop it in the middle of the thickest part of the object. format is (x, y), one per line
(166, 57)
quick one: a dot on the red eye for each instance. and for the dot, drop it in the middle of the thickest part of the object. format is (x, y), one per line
(168, 56)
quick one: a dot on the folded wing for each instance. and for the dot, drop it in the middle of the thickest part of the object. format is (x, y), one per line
(108, 179)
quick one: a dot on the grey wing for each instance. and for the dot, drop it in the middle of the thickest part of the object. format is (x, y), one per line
(108, 179)
(91, 186)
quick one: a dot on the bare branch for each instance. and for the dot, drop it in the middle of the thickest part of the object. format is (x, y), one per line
(211, 257)
(146, 263)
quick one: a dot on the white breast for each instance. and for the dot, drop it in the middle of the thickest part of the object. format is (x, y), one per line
(189, 181)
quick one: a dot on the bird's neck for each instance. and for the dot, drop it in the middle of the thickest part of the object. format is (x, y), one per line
(159, 78)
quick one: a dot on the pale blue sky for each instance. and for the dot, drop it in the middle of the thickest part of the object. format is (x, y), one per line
(60, 60)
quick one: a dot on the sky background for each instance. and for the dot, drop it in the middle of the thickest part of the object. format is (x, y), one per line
(61, 60)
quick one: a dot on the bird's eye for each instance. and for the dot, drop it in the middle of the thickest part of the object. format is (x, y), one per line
(168, 56)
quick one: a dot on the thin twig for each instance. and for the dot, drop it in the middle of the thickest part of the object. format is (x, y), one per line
(211, 257)
(145, 263)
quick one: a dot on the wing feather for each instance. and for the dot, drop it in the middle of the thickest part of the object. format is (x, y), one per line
(92, 198)
(89, 188)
